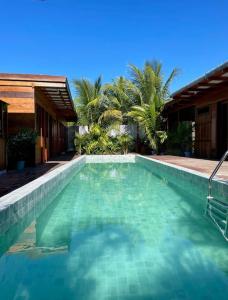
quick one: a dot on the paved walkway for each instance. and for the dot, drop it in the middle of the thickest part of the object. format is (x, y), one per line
(200, 165)
(14, 179)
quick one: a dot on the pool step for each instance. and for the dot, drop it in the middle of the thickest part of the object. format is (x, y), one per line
(217, 211)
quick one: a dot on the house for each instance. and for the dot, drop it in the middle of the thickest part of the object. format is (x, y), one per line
(42, 103)
(3, 135)
(204, 102)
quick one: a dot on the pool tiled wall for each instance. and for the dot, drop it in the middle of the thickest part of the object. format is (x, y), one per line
(194, 181)
(36, 195)
(129, 158)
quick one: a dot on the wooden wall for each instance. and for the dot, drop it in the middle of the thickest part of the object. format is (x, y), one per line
(203, 125)
(206, 120)
(206, 124)
(25, 101)
(19, 98)
(16, 121)
(51, 132)
(21, 109)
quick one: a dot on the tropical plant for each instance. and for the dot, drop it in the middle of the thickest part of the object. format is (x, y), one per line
(149, 81)
(102, 109)
(96, 141)
(79, 142)
(20, 145)
(117, 101)
(180, 138)
(150, 92)
(100, 142)
(125, 141)
(88, 101)
(139, 99)
(149, 120)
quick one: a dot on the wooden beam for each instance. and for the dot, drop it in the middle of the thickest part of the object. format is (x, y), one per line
(15, 94)
(31, 77)
(32, 84)
(49, 84)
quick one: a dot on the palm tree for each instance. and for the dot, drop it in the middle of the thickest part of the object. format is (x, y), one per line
(150, 121)
(150, 93)
(150, 81)
(125, 141)
(79, 141)
(117, 101)
(88, 100)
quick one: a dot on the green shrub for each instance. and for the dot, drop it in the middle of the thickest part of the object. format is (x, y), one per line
(125, 142)
(21, 145)
(180, 139)
(99, 141)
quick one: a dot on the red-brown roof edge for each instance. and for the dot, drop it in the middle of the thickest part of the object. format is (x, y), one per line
(33, 77)
(220, 68)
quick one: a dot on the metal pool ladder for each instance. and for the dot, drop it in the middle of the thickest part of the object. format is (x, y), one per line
(217, 210)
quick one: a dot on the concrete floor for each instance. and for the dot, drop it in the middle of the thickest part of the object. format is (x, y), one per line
(201, 165)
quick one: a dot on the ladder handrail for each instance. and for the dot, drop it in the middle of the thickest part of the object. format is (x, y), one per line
(215, 171)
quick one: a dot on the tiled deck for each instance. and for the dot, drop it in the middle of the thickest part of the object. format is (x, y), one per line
(200, 165)
(14, 179)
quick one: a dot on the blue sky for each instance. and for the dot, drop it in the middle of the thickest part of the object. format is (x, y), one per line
(80, 38)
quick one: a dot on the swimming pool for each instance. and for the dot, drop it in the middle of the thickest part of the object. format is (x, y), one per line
(116, 231)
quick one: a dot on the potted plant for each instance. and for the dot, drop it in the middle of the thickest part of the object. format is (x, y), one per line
(180, 139)
(21, 145)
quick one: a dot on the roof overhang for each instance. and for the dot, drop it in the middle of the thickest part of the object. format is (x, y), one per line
(216, 78)
(55, 88)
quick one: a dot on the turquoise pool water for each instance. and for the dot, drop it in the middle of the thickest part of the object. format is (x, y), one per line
(117, 231)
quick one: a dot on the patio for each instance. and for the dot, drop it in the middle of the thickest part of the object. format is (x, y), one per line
(13, 179)
(200, 165)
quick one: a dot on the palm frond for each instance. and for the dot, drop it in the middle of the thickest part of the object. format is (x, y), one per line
(111, 114)
(165, 89)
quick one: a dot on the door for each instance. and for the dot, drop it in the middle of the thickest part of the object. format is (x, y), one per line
(203, 132)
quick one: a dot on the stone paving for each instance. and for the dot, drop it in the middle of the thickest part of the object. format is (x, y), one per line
(201, 165)
(14, 179)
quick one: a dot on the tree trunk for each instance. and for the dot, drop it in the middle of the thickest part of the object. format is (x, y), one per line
(137, 139)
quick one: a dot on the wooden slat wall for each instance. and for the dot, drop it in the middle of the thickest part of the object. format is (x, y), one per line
(51, 139)
(203, 134)
(21, 109)
(207, 129)
(58, 137)
(19, 98)
(45, 103)
(52, 136)
(16, 121)
(22, 98)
